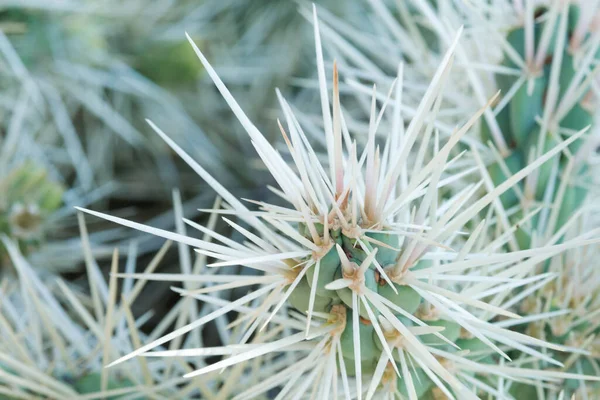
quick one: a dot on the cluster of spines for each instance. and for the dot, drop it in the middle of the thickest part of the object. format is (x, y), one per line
(346, 257)
(550, 96)
(535, 96)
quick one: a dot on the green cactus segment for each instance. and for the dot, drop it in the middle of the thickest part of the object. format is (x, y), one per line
(27, 197)
(367, 367)
(519, 124)
(503, 120)
(387, 250)
(346, 293)
(545, 170)
(585, 367)
(514, 163)
(572, 199)
(341, 259)
(577, 119)
(420, 380)
(91, 383)
(300, 296)
(329, 265)
(524, 108)
(305, 231)
(354, 251)
(478, 350)
(169, 64)
(523, 391)
(524, 231)
(368, 347)
(406, 297)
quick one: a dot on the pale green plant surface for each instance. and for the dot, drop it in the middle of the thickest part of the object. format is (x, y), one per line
(543, 58)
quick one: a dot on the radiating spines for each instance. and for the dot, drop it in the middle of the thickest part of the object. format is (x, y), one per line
(368, 266)
(545, 103)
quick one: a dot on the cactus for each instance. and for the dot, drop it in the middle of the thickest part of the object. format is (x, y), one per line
(372, 256)
(541, 57)
(29, 196)
(537, 54)
(569, 303)
(547, 103)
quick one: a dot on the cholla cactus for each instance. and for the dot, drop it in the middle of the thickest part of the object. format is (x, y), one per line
(547, 79)
(28, 197)
(541, 55)
(546, 70)
(368, 268)
(570, 303)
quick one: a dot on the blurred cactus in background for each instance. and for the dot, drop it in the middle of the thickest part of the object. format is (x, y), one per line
(547, 84)
(29, 196)
(71, 77)
(94, 68)
(256, 46)
(75, 71)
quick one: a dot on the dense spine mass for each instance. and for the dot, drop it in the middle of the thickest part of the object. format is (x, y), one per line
(377, 277)
(556, 51)
(552, 95)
